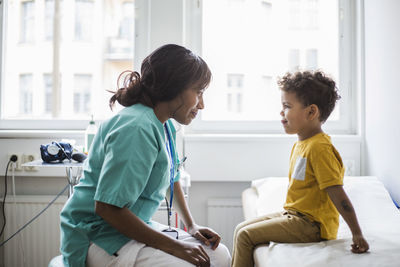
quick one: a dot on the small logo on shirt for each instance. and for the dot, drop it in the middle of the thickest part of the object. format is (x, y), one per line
(299, 172)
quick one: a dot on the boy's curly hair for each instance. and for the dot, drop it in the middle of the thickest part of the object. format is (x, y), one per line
(312, 88)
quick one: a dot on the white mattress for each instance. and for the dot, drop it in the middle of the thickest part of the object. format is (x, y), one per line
(378, 217)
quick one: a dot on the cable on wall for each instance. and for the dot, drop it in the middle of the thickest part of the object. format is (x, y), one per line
(35, 217)
(13, 158)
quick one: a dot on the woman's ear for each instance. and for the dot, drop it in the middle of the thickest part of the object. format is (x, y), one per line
(313, 112)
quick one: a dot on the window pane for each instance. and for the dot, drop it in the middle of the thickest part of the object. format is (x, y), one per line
(312, 59)
(48, 19)
(126, 24)
(261, 40)
(48, 87)
(82, 88)
(83, 20)
(96, 46)
(235, 88)
(27, 21)
(294, 60)
(25, 87)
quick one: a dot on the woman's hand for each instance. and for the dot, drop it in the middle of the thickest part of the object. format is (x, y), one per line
(360, 245)
(205, 235)
(193, 253)
(133, 227)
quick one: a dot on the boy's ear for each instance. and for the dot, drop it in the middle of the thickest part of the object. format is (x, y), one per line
(313, 112)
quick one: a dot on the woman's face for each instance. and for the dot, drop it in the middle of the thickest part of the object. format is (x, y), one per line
(187, 104)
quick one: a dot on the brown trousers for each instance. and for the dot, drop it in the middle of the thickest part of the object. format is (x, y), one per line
(280, 227)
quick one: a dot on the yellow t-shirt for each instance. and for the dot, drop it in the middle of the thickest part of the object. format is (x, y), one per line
(315, 165)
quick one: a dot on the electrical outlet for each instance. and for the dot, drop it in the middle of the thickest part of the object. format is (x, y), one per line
(18, 163)
(28, 158)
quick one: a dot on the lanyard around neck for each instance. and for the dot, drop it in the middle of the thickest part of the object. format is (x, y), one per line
(171, 169)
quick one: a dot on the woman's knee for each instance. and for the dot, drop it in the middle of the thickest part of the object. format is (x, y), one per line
(220, 256)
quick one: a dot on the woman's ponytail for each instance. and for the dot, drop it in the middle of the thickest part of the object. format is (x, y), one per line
(131, 91)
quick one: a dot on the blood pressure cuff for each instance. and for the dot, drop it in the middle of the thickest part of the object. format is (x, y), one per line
(55, 151)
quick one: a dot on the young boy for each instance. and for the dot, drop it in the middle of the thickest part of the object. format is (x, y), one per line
(315, 192)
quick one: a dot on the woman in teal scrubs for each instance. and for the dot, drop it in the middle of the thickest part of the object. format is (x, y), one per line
(131, 164)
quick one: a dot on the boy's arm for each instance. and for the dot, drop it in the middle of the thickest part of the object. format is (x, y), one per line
(345, 208)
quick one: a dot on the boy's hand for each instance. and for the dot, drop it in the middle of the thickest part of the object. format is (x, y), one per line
(359, 245)
(345, 208)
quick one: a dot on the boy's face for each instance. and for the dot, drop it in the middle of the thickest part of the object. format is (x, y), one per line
(294, 114)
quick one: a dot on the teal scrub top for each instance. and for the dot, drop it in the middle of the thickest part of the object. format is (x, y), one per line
(128, 166)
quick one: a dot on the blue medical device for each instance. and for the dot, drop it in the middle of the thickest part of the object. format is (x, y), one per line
(55, 151)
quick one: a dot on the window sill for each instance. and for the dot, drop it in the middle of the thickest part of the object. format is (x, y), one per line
(261, 137)
(36, 134)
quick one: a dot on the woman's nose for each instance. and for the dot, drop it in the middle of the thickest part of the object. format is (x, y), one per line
(200, 105)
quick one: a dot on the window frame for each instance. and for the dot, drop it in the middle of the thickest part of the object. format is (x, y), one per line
(348, 71)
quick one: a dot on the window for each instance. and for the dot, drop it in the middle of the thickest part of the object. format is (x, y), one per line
(312, 59)
(25, 100)
(83, 20)
(311, 14)
(303, 14)
(48, 19)
(295, 21)
(82, 88)
(120, 45)
(269, 98)
(97, 44)
(27, 21)
(294, 60)
(48, 86)
(126, 24)
(234, 94)
(262, 40)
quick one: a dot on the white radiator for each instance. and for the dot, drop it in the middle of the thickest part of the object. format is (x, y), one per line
(223, 215)
(38, 242)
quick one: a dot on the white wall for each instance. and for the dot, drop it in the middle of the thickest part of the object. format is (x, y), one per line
(227, 158)
(382, 92)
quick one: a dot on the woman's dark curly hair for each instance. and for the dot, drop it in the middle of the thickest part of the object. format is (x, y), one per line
(312, 88)
(165, 73)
